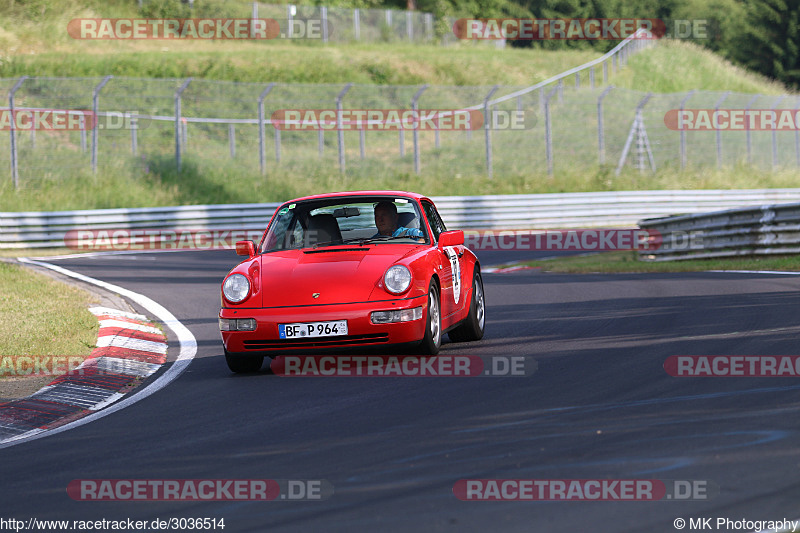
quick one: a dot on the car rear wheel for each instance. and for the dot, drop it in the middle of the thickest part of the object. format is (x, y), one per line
(244, 363)
(472, 328)
(433, 331)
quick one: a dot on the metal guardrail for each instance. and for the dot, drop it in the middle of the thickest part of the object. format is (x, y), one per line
(748, 231)
(523, 211)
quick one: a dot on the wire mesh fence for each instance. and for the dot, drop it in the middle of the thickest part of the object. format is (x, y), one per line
(339, 24)
(347, 25)
(570, 122)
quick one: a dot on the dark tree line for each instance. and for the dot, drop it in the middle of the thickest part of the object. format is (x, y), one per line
(761, 35)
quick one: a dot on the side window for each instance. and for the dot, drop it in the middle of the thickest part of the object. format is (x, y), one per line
(434, 220)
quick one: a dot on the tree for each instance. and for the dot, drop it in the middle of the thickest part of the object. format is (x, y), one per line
(770, 42)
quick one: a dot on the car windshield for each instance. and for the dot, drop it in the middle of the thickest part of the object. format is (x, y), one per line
(344, 220)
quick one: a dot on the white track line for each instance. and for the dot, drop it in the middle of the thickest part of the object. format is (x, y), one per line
(109, 323)
(781, 272)
(131, 343)
(187, 342)
(107, 311)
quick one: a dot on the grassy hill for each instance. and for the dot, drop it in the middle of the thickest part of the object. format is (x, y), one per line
(34, 42)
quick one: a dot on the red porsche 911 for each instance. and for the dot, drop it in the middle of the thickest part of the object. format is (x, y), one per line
(351, 269)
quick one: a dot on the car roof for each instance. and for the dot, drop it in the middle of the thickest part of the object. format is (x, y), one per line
(413, 195)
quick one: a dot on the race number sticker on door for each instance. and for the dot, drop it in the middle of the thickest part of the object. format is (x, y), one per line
(456, 268)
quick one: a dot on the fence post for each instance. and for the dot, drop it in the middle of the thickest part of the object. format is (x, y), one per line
(560, 90)
(605, 71)
(95, 98)
(324, 11)
(357, 24)
(12, 131)
(134, 135)
(339, 125)
(409, 26)
(548, 135)
(577, 80)
(591, 77)
(601, 141)
(541, 99)
(178, 94)
(682, 131)
(487, 130)
(774, 135)
(83, 133)
(277, 137)
(429, 26)
(262, 141)
(402, 141)
(232, 140)
(415, 134)
(797, 136)
(719, 133)
(748, 141)
(290, 11)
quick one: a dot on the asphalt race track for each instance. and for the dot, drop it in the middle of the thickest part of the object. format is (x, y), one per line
(599, 406)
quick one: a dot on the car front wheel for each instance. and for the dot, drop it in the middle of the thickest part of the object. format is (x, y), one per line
(433, 330)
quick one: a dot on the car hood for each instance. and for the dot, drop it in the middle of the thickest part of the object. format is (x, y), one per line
(337, 274)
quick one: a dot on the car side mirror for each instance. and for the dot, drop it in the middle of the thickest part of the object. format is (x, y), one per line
(451, 238)
(247, 248)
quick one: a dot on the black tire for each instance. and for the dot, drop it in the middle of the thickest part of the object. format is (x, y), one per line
(472, 328)
(242, 364)
(432, 340)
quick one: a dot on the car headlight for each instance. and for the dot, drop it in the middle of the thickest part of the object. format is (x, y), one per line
(236, 288)
(397, 279)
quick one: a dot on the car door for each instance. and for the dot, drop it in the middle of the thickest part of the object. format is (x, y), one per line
(450, 268)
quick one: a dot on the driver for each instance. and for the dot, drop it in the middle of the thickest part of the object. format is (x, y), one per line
(386, 221)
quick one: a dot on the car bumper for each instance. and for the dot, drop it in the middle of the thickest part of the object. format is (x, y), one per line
(360, 330)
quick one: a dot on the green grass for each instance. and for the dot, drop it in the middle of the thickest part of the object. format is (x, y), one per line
(56, 173)
(282, 62)
(40, 316)
(678, 66)
(213, 178)
(622, 262)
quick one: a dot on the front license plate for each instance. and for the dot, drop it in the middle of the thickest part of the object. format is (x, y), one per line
(312, 329)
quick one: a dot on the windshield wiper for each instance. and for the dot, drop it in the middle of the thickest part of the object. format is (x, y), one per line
(381, 238)
(365, 240)
(327, 243)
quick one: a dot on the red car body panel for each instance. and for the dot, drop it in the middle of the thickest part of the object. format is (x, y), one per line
(348, 283)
